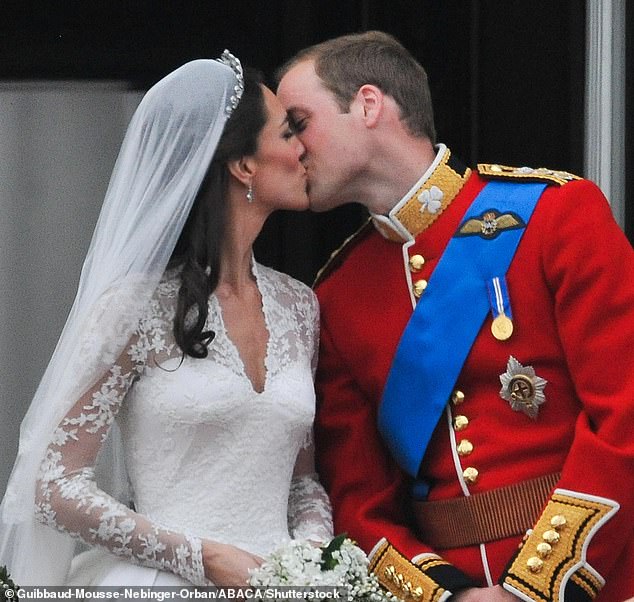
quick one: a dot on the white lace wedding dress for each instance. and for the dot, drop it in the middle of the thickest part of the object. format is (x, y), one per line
(206, 454)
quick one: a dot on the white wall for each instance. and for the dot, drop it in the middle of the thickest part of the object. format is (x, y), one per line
(58, 143)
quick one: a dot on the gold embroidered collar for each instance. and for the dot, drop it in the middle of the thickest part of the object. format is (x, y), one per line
(426, 200)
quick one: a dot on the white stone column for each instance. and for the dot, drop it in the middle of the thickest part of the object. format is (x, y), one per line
(604, 152)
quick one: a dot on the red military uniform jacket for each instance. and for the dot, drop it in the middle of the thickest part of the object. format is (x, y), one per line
(571, 287)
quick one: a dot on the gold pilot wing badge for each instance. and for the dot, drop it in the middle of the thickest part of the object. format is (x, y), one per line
(490, 224)
(522, 388)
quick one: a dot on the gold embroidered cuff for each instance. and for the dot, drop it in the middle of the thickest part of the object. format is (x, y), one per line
(541, 569)
(401, 577)
(428, 579)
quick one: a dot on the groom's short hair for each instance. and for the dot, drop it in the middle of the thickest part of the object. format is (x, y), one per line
(348, 62)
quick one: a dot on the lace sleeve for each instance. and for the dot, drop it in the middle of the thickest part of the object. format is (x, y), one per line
(309, 511)
(69, 500)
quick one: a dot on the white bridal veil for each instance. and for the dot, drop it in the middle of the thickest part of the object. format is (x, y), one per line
(165, 154)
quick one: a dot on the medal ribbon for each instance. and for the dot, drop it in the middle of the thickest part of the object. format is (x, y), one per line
(499, 297)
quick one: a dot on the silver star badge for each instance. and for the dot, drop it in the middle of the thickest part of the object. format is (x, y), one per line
(522, 388)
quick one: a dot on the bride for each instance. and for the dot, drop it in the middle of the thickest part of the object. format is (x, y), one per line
(185, 367)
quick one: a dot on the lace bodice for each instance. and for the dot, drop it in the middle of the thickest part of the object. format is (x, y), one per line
(208, 457)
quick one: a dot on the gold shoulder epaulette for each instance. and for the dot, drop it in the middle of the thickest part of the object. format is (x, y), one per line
(530, 174)
(338, 255)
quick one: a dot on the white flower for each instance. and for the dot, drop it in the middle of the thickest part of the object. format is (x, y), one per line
(339, 564)
(61, 437)
(46, 514)
(182, 554)
(152, 547)
(430, 200)
(51, 468)
(106, 530)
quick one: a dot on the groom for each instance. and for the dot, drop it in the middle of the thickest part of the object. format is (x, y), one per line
(475, 382)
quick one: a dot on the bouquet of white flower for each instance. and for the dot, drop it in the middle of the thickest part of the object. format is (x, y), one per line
(340, 563)
(8, 589)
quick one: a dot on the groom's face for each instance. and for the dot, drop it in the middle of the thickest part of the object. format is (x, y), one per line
(327, 133)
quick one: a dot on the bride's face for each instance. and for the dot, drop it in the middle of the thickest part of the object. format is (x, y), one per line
(280, 177)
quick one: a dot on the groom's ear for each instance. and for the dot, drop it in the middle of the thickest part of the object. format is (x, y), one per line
(242, 169)
(369, 101)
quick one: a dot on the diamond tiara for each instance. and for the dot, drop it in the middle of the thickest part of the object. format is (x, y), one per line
(234, 63)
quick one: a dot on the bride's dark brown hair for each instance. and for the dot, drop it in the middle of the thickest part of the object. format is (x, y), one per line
(198, 248)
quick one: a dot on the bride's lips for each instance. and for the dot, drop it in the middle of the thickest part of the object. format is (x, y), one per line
(306, 181)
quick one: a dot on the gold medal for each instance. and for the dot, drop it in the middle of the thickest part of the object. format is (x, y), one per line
(502, 327)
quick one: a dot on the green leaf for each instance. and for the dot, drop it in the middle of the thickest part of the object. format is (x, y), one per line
(5, 579)
(327, 561)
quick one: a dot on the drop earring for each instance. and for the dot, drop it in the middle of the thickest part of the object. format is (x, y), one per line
(250, 193)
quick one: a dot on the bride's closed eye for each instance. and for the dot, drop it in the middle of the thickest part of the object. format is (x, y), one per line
(297, 124)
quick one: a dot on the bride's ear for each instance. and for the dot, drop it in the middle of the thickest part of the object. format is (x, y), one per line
(242, 169)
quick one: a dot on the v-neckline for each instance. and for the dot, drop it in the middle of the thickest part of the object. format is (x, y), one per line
(234, 348)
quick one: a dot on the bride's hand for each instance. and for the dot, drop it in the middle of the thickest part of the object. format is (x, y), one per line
(226, 565)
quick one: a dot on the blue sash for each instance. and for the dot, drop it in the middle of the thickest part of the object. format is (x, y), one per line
(449, 316)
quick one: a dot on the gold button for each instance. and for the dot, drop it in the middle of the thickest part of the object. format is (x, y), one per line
(551, 536)
(457, 397)
(460, 423)
(416, 263)
(419, 287)
(558, 522)
(544, 549)
(465, 447)
(534, 564)
(470, 475)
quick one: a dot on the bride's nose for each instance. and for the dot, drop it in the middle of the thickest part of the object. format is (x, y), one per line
(301, 149)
